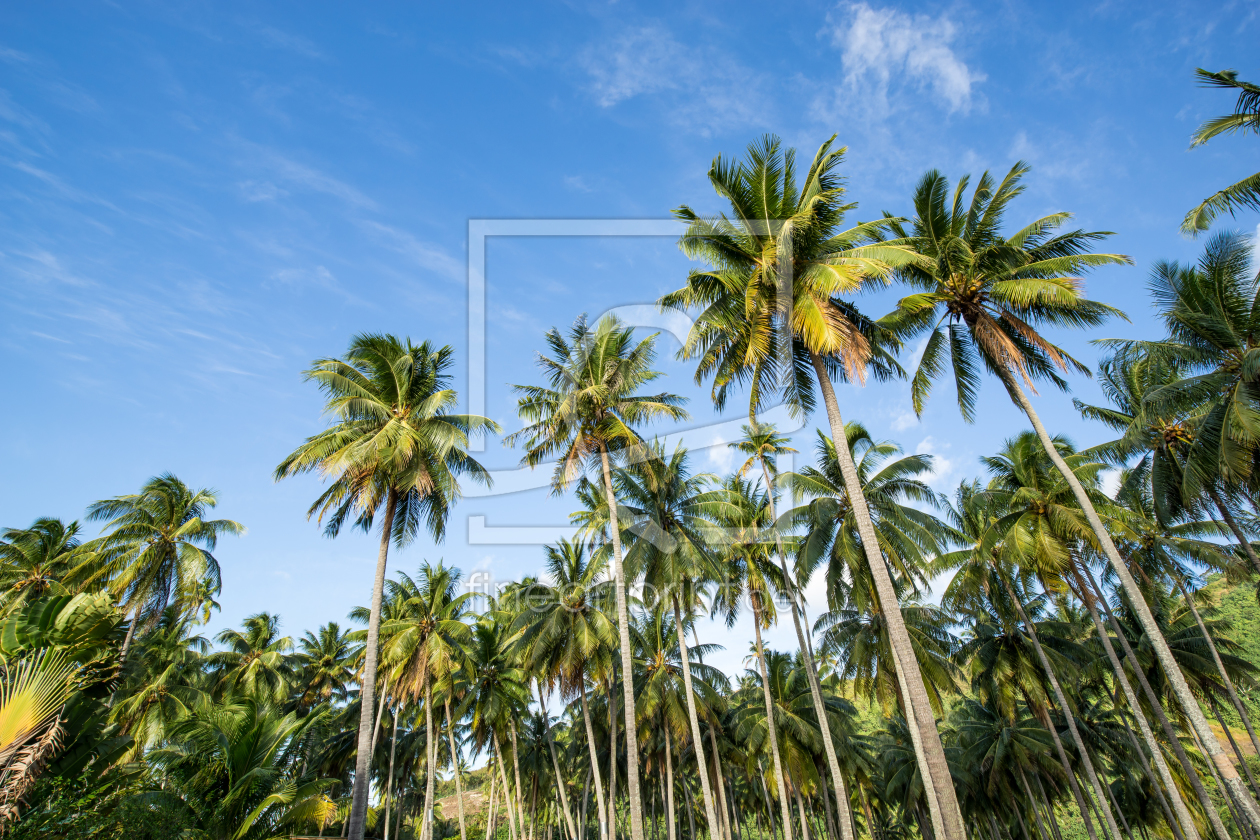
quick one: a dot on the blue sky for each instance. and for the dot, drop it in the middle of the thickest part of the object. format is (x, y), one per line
(200, 198)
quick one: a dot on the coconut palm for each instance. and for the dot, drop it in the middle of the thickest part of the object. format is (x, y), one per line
(1209, 310)
(258, 661)
(37, 560)
(157, 549)
(762, 444)
(326, 667)
(395, 444)
(585, 414)
(771, 312)
(670, 520)
(1246, 118)
(748, 569)
(983, 297)
(168, 684)
(499, 693)
(565, 635)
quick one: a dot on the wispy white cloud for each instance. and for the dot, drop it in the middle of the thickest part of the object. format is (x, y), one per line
(884, 49)
(944, 468)
(703, 88)
(425, 254)
(288, 41)
(300, 175)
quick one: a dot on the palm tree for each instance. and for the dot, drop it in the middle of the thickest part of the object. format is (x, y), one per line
(424, 640)
(748, 568)
(762, 444)
(499, 693)
(1246, 118)
(984, 296)
(257, 662)
(565, 636)
(157, 549)
(670, 523)
(771, 311)
(166, 687)
(1209, 310)
(36, 560)
(395, 443)
(586, 412)
(228, 766)
(326, 661)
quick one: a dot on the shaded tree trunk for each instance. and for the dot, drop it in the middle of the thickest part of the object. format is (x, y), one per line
(1071, 724)
(507, 789)
(697, 738)
(669, 785)
(1232, 524)
(635, 803)
(389, 780)
(599, 787)
(771, 728)
(459, 789)
(367, 688)
(946, 817)
(1172, 671)
(1158, 710)
(520, 793)
(555, 763)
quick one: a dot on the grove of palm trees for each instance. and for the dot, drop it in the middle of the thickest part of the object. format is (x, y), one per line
(1064, 647)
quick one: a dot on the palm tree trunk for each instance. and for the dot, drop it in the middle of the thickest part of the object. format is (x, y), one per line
(612, 757)
(1158, 710)
(947, 822)
(1174, 824)
(1188, 827)
(669, 784)
(507, 790)
(1233, 526)
(1071, 722)
(599, 787)
(1216, 711)
(800, 808)
(765, 794)
(1220, 668)
(380, 714)
(586, 800)
(627, 663)
(459, 791)
(771, 728)
(1163, 653)
(367, 690)
(389, 780)
(490, 815)
(1049, 806)
(815, 688)
(430, 756)
(555, 763)
(1032, 803)
(520, 793)
(725, 821)
(697, 737)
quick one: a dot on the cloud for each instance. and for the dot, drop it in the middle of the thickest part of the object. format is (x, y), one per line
(721, 456)
(702, 88)
(297, 174)
(425, 254)
(884, 49)
(904, 420)
(943, 468)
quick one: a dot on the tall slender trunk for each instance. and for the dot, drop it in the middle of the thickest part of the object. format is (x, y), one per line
(490, 806)
(1220, 667)
(1088, 597)
(1177, 680)
(1233, 526)
(815, 687)
(507, 790)
(1216, 711)
(1049, 806)
(725, 821)
(769, 808)
(832, 829)
(612, 756)
(367, 690)
(1157, 709)
(459, 790)
(1032, 804)
(800, 808)
(1070, 717)
(430, 757)
(520, 793)
(946, 817)
(599, 787)
(635, 803)
(669, 785)
(586, 800)
(380, 715)
(697, 738)
(389, 780)
(555, 763)
(772, 730)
